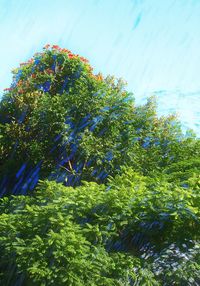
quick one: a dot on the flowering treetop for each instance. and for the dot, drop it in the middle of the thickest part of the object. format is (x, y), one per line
(48, 68)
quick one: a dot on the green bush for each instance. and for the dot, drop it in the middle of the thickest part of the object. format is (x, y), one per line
(134, 231)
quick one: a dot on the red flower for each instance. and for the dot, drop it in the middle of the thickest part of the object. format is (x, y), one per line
(66, 51)
(84, 60)
(55, 47)
(7, 89)
(71, 56)
(30, 61)
(46, 47)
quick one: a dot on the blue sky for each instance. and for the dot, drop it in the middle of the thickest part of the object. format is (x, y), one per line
(152, 44)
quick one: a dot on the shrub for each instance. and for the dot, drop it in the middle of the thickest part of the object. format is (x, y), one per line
(133, 231)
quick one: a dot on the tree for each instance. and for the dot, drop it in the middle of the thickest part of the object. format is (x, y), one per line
(54, 103)
(60, 121)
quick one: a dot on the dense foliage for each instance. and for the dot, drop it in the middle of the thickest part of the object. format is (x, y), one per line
(119, 198)
(134, 231)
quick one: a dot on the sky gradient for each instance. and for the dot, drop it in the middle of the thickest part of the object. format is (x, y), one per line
(152, 44)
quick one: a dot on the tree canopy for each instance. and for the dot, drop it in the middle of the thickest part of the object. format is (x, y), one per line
(59, 120)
